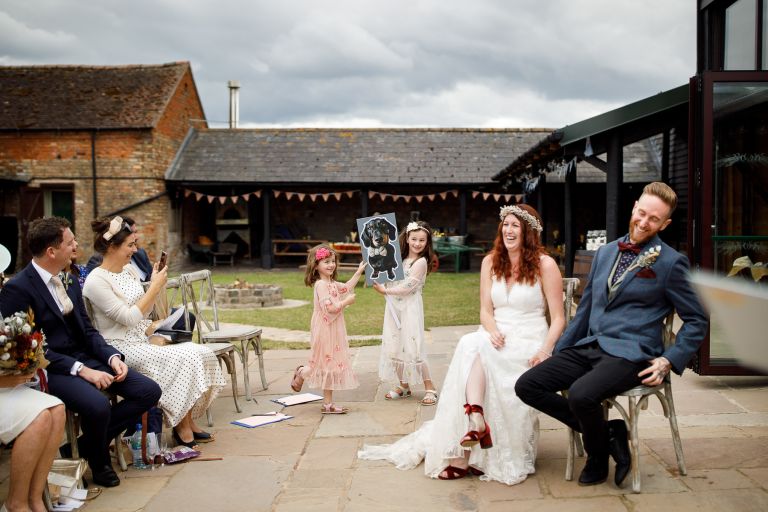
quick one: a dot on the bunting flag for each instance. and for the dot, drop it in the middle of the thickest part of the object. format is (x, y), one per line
(338, 196)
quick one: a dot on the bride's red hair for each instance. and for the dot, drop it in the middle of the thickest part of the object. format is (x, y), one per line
(531, 251)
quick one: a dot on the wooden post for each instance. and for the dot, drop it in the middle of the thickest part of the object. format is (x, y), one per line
(568, 232)
(364, 202)
(540, 207)
(462, 212)
(613, 183)
(266, 242)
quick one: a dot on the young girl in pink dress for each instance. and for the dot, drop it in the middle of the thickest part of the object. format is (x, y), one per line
(328, 367)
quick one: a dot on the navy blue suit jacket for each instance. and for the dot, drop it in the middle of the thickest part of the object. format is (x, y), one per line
(27, 291)
(629, 323)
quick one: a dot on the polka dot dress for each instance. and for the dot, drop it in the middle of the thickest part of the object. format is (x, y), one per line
(188, 373)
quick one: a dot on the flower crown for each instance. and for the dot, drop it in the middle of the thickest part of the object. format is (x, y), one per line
(413, 226)
(322, 253)
(115, 225)
(522, 214)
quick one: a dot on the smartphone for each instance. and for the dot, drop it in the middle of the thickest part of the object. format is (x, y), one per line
(163, 260)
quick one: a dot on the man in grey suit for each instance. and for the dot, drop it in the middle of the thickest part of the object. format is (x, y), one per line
(615, 340)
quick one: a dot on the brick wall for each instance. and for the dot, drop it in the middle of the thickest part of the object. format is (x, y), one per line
(130, 167)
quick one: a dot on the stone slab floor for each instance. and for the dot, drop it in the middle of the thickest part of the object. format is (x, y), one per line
(309, 462)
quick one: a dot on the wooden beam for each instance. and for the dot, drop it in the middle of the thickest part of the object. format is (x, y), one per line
(613, 181)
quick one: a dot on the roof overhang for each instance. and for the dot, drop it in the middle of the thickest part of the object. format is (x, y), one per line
(634, 122)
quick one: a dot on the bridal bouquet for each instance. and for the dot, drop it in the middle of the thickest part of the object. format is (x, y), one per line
(21, 346)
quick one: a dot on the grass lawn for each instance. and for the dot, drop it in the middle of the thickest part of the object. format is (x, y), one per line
(449, 299)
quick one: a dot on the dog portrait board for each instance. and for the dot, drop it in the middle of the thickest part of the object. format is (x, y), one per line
(380, 248)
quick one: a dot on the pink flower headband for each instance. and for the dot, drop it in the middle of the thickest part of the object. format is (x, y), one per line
(322, 253)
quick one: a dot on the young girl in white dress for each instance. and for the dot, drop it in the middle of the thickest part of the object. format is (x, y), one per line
(188, 373)
(403, 353)
(518, 281)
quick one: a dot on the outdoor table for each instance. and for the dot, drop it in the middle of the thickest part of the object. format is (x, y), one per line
(445, 249)
(293, 247)
(343, 248)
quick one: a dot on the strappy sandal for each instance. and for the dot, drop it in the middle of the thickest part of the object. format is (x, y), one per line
(454, 473)
(430, 397)
(333, 409)
(398, 392)
(203, 437)
(298, 381)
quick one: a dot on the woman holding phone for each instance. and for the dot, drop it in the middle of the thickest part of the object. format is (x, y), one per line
(188, 373)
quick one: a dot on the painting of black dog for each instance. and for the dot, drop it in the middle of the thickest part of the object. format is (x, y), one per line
(376, 237)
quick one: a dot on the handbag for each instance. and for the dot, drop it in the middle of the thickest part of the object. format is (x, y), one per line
(175, 335)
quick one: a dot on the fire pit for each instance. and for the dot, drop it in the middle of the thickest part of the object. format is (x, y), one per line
(242, 295)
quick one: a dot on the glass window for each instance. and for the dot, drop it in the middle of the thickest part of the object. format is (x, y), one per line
(740, 35)
(740, 235)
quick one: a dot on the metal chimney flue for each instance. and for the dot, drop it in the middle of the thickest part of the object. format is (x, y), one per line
(234, 103)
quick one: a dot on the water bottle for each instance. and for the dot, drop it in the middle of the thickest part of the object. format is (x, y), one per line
(138, 462)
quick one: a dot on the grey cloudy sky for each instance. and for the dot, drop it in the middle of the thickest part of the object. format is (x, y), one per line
(365, 63)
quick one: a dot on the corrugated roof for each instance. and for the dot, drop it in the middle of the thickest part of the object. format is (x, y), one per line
(86, 97)
(417, 156)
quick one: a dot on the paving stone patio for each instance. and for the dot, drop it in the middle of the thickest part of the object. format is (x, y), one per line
(310, 463)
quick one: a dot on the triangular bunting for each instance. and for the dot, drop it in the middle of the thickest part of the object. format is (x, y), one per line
(187, 192)
(313, 197)
(337, 195)
(350, 193)
(443, 195)
(496, 197)
(325, 197)
(257, 194)
(276, 193)
(475, 193)
(431, 197)
(507, 197)
(211, 199)
(518, 197)
(455, 193)
(198, 196)
(301, 195)
(419, 199)
(371, 194)
(485, 195)
(222, 199)
(245, 196)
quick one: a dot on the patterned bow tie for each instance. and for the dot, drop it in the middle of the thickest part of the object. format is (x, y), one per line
(624, 247)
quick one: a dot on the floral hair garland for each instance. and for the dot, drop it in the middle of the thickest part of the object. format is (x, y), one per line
(522, 214)
(413, 226)
(322, 253)
(115, 225)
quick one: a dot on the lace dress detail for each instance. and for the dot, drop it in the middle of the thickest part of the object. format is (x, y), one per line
(329, 361)
(403, 353)
(519, 315)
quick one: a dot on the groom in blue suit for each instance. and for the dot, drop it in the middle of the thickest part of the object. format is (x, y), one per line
(615, 341)
(81, 362)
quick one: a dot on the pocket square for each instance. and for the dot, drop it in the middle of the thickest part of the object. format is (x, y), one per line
(646, 273)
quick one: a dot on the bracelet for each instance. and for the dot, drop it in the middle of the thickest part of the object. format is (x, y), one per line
(548, 354)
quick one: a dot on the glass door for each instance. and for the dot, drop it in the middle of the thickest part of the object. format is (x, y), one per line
(734, 189)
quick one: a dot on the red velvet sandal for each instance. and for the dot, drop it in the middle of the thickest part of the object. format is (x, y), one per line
(454, 473)
(474, 437)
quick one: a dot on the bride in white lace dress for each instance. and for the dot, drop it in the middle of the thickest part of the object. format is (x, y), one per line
(480, 426)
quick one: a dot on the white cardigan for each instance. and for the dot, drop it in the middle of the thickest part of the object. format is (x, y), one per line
(112, 316)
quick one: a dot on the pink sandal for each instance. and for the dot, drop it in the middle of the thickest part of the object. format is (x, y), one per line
(333, 409)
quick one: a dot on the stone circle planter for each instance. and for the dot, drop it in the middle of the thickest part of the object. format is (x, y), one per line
(255, 296)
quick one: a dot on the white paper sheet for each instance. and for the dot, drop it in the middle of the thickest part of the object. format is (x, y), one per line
(297, 399)
(257, 420)
(171, 319)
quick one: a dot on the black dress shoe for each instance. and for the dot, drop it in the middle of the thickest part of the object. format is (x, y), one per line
(618, 443)
(595, 471)
(105, 476)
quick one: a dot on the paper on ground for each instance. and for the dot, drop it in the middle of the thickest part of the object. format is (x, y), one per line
(297, 399)
(258, 420)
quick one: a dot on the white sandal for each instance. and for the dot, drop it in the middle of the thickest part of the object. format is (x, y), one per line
(398, 392)
(333, 409)
(430, 397)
